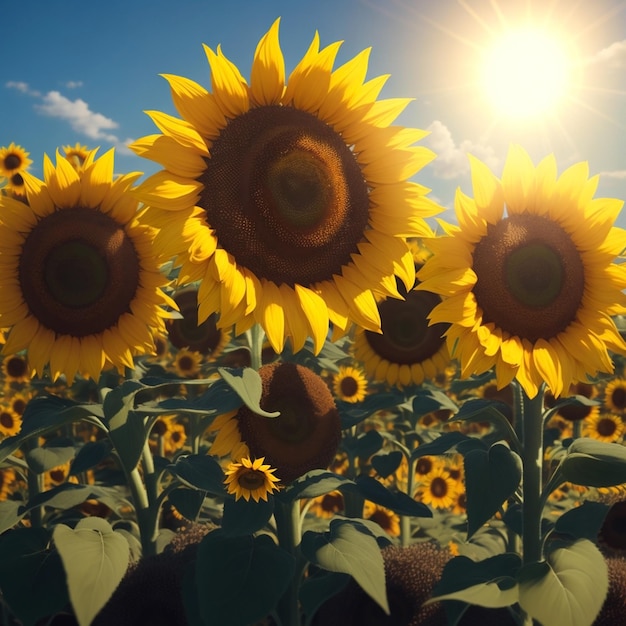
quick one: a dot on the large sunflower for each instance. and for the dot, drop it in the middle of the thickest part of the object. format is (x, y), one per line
(81, 288)
(530, 290)
(289, 200)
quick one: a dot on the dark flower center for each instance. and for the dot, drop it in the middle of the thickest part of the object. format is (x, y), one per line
(407, 338)
(186, 364)
(12, 162)
(251, 479)
(285, 195)
(613, 531)
(16, 367)
(439, 487)
(307, 432)
(185, 332)
(618, 397)
(530, 277)
(349, 386)
(606, 427)
(78, 271)
(423, 466)
(17, 180)
(6, 419)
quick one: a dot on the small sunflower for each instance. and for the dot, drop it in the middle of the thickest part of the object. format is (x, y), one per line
(604, 427)
(531, 291)
(289, 199)
(185, 332)
(15, 369)
(386, 519)
(438, 489)
(10, 421)
(408, 351)
(15, 186)
(615, 395)
(78, 155)
(306, 434)
(187, 363)
(328, 505)
(350, 384)
(18, 401)
(251, 479)
(8, 482)
(82, 289)
(426, 466)
(13, 160)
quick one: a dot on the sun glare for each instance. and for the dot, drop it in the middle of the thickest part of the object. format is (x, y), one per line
(525, 73)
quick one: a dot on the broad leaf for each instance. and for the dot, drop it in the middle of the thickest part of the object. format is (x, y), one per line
(594, 463)
(348, 549)
(440, 445)
(568, 588)
(243, 517)
(397, 501)
(249, 388)
(313, 484)
(200, 472)
(318, 588)
(490, 478)
(187, 502)
(386, 463)
(51, 454)
(95, 559)
(229, 569)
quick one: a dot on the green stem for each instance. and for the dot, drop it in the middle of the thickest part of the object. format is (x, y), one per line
(255, 340)
(287, 517)
(145, 516)
(532, 458)
(405, 520)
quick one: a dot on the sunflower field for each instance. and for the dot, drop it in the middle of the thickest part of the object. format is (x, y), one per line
(268, 386)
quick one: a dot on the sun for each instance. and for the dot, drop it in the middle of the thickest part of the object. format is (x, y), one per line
(526, 73)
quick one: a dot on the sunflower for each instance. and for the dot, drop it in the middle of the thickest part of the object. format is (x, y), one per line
(350, 384)
(408, 351)
(227, 439)
(185, 332)
(615, 395)
(8, 482)
(426, 466)
(306, 434)
(251, 479)
(604, 427)
(10, 421)
(78, 155)
(289, 200)
(530, 292)
(81, 285)
(13, 160)
(187, 363)
(386, 519)
(15, 369)
(438, 489)
(328, 505)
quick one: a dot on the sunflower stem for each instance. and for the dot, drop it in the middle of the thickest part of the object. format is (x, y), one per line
(255, 340)
(287, 517)
(144, 512)
(532, 458)
(405, 520)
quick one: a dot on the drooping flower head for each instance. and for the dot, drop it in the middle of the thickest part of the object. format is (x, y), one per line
(251, 479)
(528, 275)
(306, 434)
(288, 199)
(81, 285)
(78, 155)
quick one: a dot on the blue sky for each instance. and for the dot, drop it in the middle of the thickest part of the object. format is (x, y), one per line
(75, 72)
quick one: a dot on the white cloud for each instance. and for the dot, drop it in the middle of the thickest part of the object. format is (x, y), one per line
(22, 87)
(81, 118)
(74, 84)
(617, 174)
(613, 56)
(452, 161)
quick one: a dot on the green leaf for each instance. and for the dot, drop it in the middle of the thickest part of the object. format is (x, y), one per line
(95, 559)
(313, 484)
(429, 400)
(200, 472)
(364, 445)
(53, 453)
(386, 463)
(249, 388)
(188, 502)
(440, 445)
(594, 463)
(490, 583)
(243, 517)
(64, 496)
(397, 501)
(348, 549)
(583, 522)
(490, 478)
(318, 588)
(29, 570)
(239, 580)
(11, 512)
(92, 453)
(568, 588)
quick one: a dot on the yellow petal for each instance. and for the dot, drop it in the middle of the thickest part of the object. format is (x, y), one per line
(267, 77)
